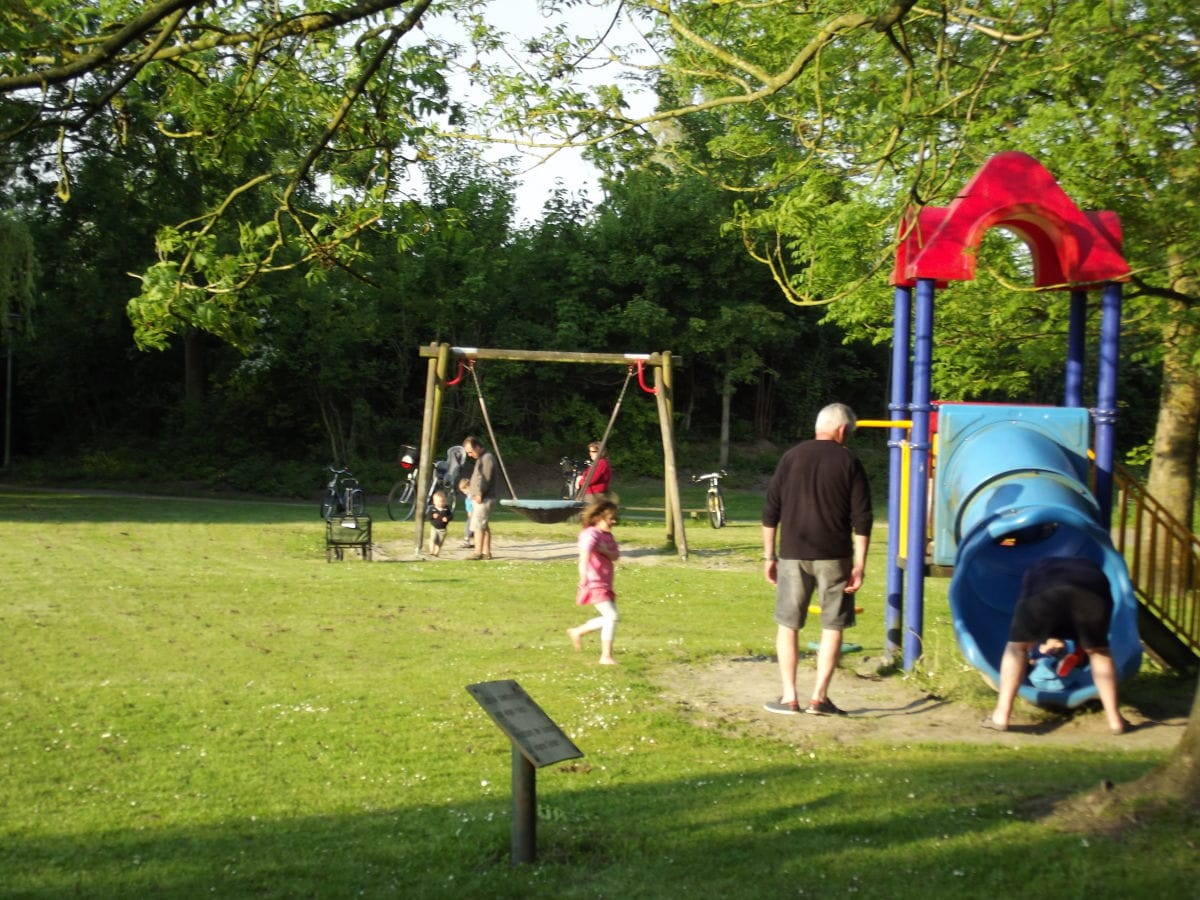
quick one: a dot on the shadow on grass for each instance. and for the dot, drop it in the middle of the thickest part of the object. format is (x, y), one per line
(943, 825)
(40, 505)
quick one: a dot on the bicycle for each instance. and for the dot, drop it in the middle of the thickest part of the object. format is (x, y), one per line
(715, 503)
(343, 496)
(570, 470)
(401, 498)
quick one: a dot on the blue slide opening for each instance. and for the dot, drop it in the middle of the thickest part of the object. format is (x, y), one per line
(1011, 483)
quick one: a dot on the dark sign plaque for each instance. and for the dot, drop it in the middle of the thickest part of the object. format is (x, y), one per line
(527, 726)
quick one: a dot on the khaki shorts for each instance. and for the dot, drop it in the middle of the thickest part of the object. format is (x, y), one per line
(796, 582)
(481, 515)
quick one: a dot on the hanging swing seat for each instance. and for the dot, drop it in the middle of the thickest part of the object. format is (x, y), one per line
(546, 512)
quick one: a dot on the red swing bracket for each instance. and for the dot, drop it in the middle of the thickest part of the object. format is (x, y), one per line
(641, 369)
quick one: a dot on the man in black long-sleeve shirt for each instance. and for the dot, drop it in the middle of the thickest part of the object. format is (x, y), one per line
(820, 501)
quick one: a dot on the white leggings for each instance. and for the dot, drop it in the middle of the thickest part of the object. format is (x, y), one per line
(606, 620)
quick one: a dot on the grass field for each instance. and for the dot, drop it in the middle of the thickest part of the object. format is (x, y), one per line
(193, 702)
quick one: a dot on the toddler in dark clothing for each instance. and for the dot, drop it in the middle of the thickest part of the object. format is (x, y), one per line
(439, 515)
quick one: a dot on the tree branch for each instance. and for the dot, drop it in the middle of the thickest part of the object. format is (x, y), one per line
(111, 50)
(108, 50)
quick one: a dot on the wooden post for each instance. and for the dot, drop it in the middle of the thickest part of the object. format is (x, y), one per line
(428, 420)
(673, 506)
(443, 369)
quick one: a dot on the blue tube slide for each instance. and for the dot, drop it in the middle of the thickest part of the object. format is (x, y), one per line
(1010, 489)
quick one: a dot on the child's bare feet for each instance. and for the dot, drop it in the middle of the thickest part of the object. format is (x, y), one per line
(576, 640)
(607, 661)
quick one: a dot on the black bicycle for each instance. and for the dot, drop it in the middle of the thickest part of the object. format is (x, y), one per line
(401, 502)
(570, 470)
(343, 496)
(715, 502)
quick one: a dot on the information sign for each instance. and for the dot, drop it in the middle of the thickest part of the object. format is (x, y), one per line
(529, 728)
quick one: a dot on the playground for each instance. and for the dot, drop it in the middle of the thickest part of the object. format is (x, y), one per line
(726, 693)
(1008, 486)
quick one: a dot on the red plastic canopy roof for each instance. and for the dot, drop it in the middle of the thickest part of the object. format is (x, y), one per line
(1014, 191)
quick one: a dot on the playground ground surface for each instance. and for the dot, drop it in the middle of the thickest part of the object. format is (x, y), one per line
(728, 693)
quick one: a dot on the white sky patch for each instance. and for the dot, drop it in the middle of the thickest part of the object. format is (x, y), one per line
(540, 174)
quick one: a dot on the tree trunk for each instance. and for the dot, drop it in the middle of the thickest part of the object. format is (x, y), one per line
(1173, 483)
(726, 406)
(1186, 758)
(1173, 467)
(332, 419)
(763, 405)
(1172, 479)
(1174, 784)
(193, 377)
(685, 418)
(1179, 776)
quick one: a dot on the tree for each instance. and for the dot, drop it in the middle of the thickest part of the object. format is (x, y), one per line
(346, 95)
(290, 97)
(832, 122)
(674, 277)
(18, 266)
(828, 124)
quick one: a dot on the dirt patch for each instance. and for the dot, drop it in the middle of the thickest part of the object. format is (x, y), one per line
(730, 694)
(511, 550)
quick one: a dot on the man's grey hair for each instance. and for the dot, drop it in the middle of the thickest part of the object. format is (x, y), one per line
(835, 415)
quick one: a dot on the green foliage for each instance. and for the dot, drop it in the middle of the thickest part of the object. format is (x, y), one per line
(18, 269)
(869, 123)
(250, 168)
(261, 108)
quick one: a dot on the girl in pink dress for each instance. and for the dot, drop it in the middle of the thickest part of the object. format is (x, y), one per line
(597, 551)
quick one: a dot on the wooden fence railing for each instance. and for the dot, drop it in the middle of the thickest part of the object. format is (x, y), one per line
(1163, 558)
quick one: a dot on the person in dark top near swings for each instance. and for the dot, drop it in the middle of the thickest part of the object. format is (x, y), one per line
(819, 500)
(482, 491)
(439, 515)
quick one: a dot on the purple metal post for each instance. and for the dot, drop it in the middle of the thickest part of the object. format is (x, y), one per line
(1105, 414)
(918, 473)
(898, 407)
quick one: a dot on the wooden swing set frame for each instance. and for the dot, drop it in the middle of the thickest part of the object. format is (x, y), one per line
(442, 357)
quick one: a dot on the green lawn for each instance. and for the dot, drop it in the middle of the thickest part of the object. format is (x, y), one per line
(192, 701)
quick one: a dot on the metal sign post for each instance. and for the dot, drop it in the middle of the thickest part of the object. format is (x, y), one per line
(536, 741)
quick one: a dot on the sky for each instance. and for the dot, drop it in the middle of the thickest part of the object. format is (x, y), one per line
(567, 168)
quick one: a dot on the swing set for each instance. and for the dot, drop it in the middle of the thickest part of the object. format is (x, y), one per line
(442, 357)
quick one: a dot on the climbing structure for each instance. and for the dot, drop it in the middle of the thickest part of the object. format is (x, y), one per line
(1013, 482)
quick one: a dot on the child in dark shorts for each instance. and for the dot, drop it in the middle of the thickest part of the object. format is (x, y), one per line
(1061, 599)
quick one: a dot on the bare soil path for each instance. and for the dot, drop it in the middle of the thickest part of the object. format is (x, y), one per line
(730, 694)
